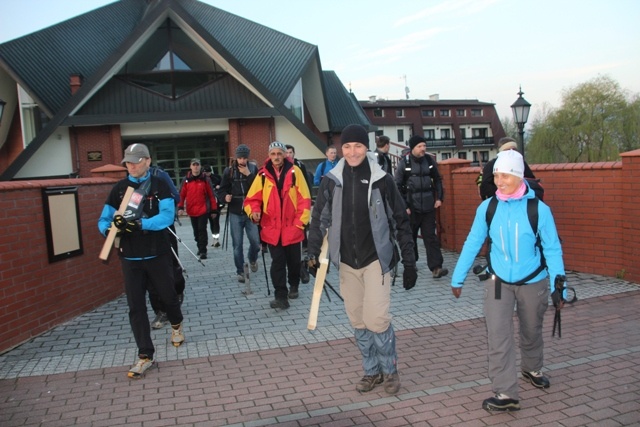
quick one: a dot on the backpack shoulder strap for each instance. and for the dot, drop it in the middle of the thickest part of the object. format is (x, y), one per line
(491, 211)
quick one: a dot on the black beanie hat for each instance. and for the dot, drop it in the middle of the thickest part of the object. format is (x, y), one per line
(243, 151)
(354, 133)
(415, 140)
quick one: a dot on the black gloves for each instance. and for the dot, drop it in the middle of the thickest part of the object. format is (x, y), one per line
(557, 296)
(312, 263)
(129, 226)
(409, 276)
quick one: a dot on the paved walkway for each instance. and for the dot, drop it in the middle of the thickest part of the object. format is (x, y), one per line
(245, 364)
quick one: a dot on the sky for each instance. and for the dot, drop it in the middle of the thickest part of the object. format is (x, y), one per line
(458, 49)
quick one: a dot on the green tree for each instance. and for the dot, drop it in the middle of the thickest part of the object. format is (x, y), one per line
(595, 122)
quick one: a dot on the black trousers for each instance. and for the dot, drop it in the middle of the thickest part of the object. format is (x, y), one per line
(156, 276)
(179, 282)
(426, 223)
(200, 234)
(285, 266)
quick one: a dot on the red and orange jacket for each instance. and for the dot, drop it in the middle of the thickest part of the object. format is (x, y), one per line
(283, 213)
(197, 194)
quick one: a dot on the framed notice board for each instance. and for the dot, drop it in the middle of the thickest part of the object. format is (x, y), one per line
(62, 222)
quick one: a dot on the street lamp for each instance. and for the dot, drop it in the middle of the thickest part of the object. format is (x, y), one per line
(520, 114)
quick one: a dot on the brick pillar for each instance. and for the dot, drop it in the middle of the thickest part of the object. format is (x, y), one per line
(448, 214)
(631, 210)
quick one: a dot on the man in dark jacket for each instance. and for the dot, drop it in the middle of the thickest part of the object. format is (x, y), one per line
(197, 195)
(145, 250)
(362, 213)
(383, 143)
(236, 181)
(419, 181)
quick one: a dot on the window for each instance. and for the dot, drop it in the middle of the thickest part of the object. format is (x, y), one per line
(445, 113)
(484, 155)
(295, 101)
(476, 112)
(479, 132)
(445, 134)
(463, 133)
(428, 113)
(429, 134)
(461, 112)
(378, 112)
(462, 155)
(446, 156)
(400, 134)
(400, 112)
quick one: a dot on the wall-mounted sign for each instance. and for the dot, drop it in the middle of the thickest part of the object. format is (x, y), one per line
(94, 156)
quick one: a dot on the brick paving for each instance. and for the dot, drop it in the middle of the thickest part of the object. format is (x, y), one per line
(245, 364)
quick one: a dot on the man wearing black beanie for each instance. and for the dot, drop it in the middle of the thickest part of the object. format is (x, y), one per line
(420, 183)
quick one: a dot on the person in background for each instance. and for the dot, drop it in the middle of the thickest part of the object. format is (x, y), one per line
(161, 318)
(420, 182)
(487, 186)
(214, 221)
(519, 279)
(279, 201)
(332, 159)
(291, 155)
(383, 144)
(196, 194)
(144, 251)
(361, 212)
(236, 181)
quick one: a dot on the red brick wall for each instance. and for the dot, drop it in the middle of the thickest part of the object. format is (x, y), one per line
(595, 206)
(36, 295)
(256, 133)
(105, 139)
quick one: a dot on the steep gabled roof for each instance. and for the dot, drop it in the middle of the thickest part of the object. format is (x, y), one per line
(93, 44)
(343, 105)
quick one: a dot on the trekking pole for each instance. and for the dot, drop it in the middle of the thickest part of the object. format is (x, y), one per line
(184, 270)
(184, 244)
(266, 276)
(225, 232)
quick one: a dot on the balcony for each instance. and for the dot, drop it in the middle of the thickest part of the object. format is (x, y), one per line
(477, 142)
(441, 143)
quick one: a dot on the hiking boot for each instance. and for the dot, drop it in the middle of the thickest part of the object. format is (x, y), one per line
(140, 367)
(216, 242)
(203, 255)
(293, 293)
(536, 378)
(440, 272)
(160, 320)
(254, 266)
(369, 382)
(240, 278)
(501, 403)
(177, 336)
(392, 383)
(282, 304)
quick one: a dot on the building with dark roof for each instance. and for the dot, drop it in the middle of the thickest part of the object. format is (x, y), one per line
(186, 78)
(453, 128)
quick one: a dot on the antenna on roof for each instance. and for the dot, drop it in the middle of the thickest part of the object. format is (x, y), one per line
(406, 88)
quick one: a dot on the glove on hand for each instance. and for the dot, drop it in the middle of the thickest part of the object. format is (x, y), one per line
(312, 263)
(129, 226)
(409, 277)
(213, 215)
(557, 296)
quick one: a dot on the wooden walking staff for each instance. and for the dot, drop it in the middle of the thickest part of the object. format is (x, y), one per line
(321, 274)
(113, 231)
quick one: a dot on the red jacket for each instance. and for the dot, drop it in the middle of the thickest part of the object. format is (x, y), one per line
(284, 214)
(196, 193)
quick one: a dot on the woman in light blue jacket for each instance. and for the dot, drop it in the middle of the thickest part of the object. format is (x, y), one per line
(519, 277)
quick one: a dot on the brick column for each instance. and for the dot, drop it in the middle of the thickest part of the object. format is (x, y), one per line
(631, 213)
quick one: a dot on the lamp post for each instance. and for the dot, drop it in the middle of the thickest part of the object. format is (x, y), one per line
(520, 115)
